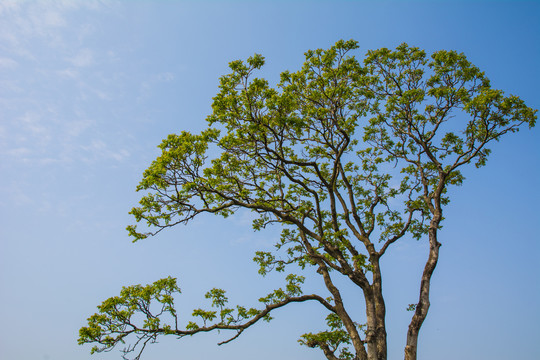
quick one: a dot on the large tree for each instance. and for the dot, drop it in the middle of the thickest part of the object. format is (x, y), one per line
(348, 158)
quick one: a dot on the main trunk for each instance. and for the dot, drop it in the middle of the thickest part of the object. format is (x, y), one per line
(380, 311)
(371, 332)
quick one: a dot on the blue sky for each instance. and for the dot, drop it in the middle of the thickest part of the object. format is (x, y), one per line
(89, 88)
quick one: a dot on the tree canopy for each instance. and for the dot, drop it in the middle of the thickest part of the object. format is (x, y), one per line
(347, 157)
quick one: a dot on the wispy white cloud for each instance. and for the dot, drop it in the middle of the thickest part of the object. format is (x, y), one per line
(77, 127)
(147, 86)
(98, 149)
(68, 73)
(47, 137)
(28, 21)
(19, 152)
(12, 87)
(52, 19)
(17, 196)
(7, 63)
(53, 76)
(33, 125)
(8, 6)
(165, 77)
(83, 58)
(22, 22)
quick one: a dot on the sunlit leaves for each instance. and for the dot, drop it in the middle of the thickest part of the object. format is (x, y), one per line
(417, 104)
(291, 289)
(332, 340)
(120, 316)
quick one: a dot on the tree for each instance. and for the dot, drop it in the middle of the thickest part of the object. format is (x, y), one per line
(348, 158)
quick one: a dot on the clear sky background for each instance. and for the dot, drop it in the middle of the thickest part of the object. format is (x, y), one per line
(89, 88)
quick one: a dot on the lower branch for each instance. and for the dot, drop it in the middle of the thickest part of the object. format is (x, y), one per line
(120, 316)
(262, 315)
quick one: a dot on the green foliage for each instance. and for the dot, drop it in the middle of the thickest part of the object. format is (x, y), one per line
(411, 307)
(294, 154)
(118, 316)
(348, 157)
(292, 289)
(146, 312)
(414, 98)
(332, 340)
